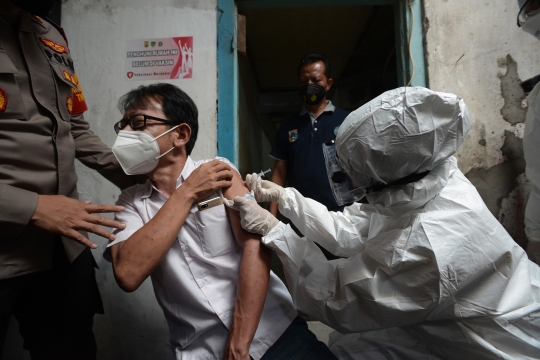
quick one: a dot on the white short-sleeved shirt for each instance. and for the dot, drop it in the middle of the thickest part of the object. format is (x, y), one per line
(196, 282)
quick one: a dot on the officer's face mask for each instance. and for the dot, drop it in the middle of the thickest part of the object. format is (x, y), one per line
(137, 151)
(345, 190)
(312, 94)
(35, 7)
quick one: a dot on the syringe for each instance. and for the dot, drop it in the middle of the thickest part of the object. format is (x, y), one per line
(249, 195)
(263, 172)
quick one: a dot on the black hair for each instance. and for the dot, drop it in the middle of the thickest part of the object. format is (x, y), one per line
(176, 105)
(313, 58)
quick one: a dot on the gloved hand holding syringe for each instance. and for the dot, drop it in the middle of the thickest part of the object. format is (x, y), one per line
(254, 218)
(208, 204)
(249, 194)
(261, 190)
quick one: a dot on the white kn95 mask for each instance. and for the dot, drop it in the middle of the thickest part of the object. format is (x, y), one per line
(137, 151)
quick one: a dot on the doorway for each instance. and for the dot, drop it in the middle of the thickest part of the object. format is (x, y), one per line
(359, 41)
(372, 45)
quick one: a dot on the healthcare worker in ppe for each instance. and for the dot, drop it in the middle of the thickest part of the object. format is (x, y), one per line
(428, 272)
(529, 21)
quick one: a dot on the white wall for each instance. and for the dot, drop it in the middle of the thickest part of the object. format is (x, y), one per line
(475, 50)
(133, 326)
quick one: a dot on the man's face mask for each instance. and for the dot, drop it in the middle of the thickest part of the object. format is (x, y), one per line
(35, 7)
(137, 151)
(312, 94)
(345, 190)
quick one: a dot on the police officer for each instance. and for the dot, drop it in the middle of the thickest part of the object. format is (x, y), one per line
(47, 276)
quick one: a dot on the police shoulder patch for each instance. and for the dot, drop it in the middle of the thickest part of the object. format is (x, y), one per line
(70, 77)
(3, 100)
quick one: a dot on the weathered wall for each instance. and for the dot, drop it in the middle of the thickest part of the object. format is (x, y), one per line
(474, 49)
(133, 326)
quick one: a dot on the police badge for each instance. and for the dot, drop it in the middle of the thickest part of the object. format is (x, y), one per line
(293, 135)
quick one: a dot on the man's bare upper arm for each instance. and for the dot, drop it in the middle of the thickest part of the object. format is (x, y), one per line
(237, 189)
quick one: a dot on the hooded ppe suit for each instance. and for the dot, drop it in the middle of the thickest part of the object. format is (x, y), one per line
(531, 149)
(530, 23)
(429, 272)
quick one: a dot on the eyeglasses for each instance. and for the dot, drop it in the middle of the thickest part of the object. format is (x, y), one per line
(139, 122)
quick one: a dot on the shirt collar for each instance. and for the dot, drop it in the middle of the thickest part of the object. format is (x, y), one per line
(26, 23)
(189, 166)
(329, 108)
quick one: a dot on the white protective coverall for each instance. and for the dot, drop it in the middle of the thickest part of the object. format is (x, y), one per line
(429, 272)
(531, 149)
(530, 23)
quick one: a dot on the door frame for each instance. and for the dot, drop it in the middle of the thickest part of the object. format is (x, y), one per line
(411, 65)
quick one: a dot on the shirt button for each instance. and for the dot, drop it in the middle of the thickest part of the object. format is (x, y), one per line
(315, 129)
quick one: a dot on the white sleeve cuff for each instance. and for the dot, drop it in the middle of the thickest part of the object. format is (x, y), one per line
(286, 202)
(275, 234)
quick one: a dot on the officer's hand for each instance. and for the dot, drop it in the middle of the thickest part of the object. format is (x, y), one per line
(253, 218)
(264, 190)
(206, 179)
(533, 251)
(64, 216)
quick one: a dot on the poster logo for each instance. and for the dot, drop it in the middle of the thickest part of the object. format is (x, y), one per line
(156, 59)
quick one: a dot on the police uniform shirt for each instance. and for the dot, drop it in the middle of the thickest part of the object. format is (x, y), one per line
(42, 131)
(299, 143)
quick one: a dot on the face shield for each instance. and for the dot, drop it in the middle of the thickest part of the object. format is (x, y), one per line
(528, 17)
(345, 190)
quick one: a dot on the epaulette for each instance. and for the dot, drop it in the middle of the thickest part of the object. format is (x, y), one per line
(59, 28)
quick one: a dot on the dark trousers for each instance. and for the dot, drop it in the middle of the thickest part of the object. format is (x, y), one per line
(298, 343)
(55, 308)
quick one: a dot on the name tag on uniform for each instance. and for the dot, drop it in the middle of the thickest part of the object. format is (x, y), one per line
(293, 135)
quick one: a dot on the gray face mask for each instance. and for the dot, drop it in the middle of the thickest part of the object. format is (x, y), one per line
(35, 7)
(345, 190)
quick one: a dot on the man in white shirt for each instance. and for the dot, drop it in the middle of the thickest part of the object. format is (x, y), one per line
(219, 296)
